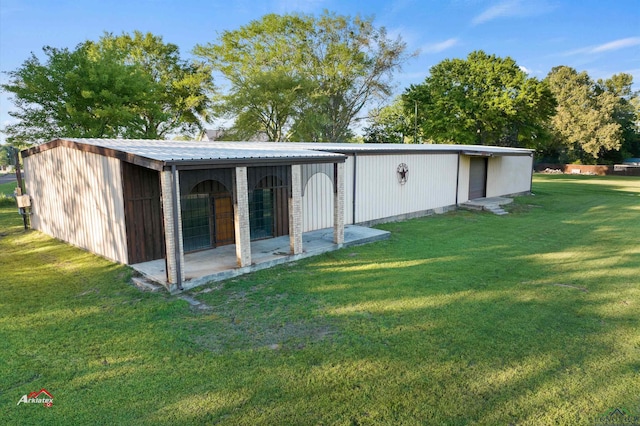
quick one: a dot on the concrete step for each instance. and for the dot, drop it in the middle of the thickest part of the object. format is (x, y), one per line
(145, 284)
(493, 208)
(497, 210)
(475, 207)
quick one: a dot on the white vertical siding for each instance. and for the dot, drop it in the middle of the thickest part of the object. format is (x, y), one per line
(317, 203)
(509, 175)
(431, 184)
(77, 197)
(348, 189)
(463, 179)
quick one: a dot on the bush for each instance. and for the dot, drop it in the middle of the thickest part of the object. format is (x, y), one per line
(7, 200)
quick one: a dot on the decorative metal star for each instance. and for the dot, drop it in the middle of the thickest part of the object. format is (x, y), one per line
(403, 173)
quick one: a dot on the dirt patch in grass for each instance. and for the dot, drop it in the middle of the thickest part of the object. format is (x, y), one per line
(252, 317)
(233, 334)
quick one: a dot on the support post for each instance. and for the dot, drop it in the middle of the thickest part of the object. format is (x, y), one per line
(241, 217)
(18, 172)
(174, 249)
(295, 210)
(338, 203)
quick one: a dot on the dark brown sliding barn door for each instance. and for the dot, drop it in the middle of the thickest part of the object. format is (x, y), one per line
(143, 213)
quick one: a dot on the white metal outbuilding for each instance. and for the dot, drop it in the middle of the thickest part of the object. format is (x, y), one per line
(139, 200)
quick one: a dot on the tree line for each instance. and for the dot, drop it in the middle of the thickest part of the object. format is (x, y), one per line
(488, 100)
(292, 77)
(309, 78)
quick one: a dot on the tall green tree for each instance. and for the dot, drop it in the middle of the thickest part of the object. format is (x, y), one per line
(351, 62)
(71, 95)
(585, 119)
(389, 124)
(117, 87)
(484, 100)
(300, 77)
(626, 114)
(179, 98)
(260, 62)
(7, 155)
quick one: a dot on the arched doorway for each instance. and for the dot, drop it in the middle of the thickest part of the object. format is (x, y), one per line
(207, 216)
(317, 203)
(268, 208)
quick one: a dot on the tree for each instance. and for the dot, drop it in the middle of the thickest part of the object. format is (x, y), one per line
(389, 124)
(626, 114)
(585, 118)
(481, 100)
(179, 97)
(7, 155)
(70, 95)
(117, 87)
(298, 77)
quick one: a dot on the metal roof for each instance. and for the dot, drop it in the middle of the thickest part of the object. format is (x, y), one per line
(171, 151)
(381, 148)
(158, 154)
(350, 148)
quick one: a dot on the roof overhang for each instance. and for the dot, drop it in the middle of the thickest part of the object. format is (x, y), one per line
(189, 155)
(229, 157)
(248, 162)
(94, 149)
(477, 153)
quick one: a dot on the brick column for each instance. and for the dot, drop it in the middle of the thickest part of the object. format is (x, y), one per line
(241, 217)
(171, 245)
(295, 210)
(338, 203)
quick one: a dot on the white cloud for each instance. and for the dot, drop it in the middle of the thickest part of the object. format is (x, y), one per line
(439, 47)
(399, 6)
(605, 47)
(512, 8)
(506, 8)
(524, 69)
(617, 44)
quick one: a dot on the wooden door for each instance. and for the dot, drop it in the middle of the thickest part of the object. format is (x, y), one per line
(224, 231)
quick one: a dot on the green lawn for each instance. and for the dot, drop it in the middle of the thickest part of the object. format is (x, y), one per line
(465, 318)
(6, 194)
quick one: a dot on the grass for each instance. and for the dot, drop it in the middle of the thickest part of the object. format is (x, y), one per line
(464, 318)
(6, 194)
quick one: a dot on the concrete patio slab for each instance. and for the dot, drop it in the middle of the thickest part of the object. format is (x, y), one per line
(480, 203)
(220, 263)
(491, 204)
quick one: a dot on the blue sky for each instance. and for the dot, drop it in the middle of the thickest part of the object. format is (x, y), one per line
(600, 37)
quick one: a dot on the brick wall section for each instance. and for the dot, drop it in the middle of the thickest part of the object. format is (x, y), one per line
(295, 210)
(170, 241)
(241, 217)
(338, 204)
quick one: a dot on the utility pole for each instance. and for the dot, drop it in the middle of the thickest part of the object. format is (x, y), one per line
(415, 121)
(17, 170)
